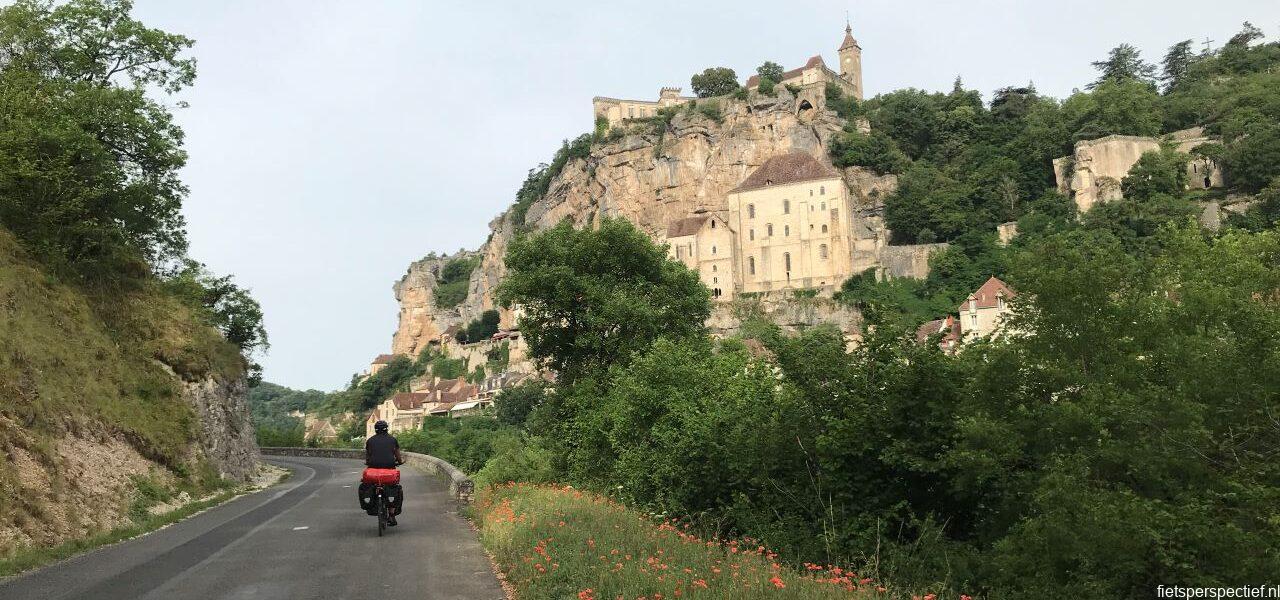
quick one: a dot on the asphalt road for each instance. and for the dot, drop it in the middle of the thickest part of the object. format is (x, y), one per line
(305, 538)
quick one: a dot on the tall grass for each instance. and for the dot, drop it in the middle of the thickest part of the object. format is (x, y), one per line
(558, 542)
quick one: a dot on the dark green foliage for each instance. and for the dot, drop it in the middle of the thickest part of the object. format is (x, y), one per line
(1124, 64)
(454, 281)
(1115, 107)
(770, 70)
(481, 329)
(875, 151)
(766, 87)
(88, 161)
(714, 81)
(224, 305)
(1177, 62)
(381, 385)
(593, 298)
(1265, 212)
(1253, 160)
(466, 442)
(513, 405)
(1156, 173)
(846, 107)
(711, 110)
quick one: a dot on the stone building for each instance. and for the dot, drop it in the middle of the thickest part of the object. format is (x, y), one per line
(706, 244)
(790, 219)
(380, 362)
(816, 73)
(983, 311)
(617, 110)
(1093, 172)
(402, 412)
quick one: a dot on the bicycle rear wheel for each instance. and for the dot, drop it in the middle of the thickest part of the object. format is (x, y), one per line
(382, 516)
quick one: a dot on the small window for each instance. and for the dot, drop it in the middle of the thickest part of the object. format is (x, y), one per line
(786, 230)
(822, 251)
(811, 227)
(824, 229)
(768, 230)
(822, 190)
(786, 259)
(973, 320)
(751, 234)
(690, 248)
(713, 250)
(713, 223)
(824, 205)
(751, 265)
(811, 191)
(715, 280)
(786, 207)
(810, 208)
(631, 112)
(714, 269)
(751, 211)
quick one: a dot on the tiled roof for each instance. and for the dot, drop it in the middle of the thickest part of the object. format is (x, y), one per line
(686, 226)
(848, 39)
(383, 359)
(988, 295)
(410, 400)
(793, 167)
(442, 409)
(814, 61)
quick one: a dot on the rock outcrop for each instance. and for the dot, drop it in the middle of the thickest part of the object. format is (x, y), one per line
(1093, 173)
(651, 175)
(226, 437)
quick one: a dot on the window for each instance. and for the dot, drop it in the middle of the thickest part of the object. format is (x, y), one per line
(822, 251)
(690, 248)
(786, 230)
(714, 269)
(811, 227)
(822, 190)
(824, 205)
(824, 229)
(786, 259)
(768, 230)
(973, 320)
(631, 112)
(1000, 302)
(810, 208)
(786, 207)
(751, 211)
(751, 234)
(810, 191)
(751, 265)
(713, 250)
(715, 280)
(713, 223)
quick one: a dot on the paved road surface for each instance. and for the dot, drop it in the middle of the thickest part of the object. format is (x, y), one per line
(305, 538)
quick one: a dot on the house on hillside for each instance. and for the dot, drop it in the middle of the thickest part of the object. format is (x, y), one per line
(983, 311)
(402, 412)
(947, 326)
(705, 243)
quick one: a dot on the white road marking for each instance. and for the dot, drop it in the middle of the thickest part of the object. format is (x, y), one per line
(301, 528)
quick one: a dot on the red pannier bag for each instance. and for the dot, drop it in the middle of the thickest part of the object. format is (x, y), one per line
(383, 476)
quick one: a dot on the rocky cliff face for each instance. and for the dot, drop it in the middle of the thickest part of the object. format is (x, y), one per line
(650, 179)
(226, 438)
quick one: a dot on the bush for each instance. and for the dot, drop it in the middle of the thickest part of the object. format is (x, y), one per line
(715, 81)
(711, 110)
(454, 281)
(875, 151)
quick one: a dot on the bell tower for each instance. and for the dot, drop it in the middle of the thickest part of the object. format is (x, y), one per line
(851, 61)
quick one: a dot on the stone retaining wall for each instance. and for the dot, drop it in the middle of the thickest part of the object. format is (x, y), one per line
(460, 485)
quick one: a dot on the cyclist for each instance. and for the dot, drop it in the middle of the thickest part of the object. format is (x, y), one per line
(382, 451)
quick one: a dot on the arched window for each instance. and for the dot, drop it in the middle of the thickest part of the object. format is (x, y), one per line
(714, 269)
(786, 207)
(751, 211)
(713, 250)
(713, 223)
(786, 230)
(768, 230)
(786, 259)
(824, 229)
(715, 280)
(751, 265)
(822, 251)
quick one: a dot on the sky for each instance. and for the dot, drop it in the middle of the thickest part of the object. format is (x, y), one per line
(333, 143)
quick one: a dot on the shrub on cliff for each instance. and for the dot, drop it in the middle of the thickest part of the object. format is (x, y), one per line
(714, 81)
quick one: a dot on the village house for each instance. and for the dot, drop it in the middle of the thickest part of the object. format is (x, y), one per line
(947, 326)
(789, 219)
(402, 412)
(983, 311)
(705, 243)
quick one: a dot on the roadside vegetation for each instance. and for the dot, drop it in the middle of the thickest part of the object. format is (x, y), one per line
(103, 315)
(559, 542)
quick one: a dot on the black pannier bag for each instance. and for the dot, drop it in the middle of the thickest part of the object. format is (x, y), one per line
(394, 495)
(366, 498)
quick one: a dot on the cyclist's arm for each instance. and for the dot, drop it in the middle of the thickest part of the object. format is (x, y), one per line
(399, 459)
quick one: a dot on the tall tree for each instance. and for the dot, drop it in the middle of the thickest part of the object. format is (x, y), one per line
(1175, 64)
(1248, 34)
(770, 70)
(88, 161)
(593, 298)
(715, 81)
(1124, 63)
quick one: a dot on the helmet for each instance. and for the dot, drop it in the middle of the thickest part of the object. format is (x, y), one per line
(380, 426)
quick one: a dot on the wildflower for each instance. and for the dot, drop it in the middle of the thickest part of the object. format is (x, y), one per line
(702, 583)
(586, 594)
(777, 582)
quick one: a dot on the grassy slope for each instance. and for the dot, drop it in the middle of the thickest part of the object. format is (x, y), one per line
(557, 542)
(73, 360)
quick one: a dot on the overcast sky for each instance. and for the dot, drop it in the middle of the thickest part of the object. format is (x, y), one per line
(331, 143)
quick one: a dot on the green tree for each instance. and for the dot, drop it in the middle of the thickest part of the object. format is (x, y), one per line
(1156, 172)
(88, 160)
(1177, 62)
(715, 81)
(514, 404)
(592, 298)
(1252, 161)
(770, 70)
(1124, 64)
(928, 199)
(1248, 34)
(1123, 107)
(875, 151)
